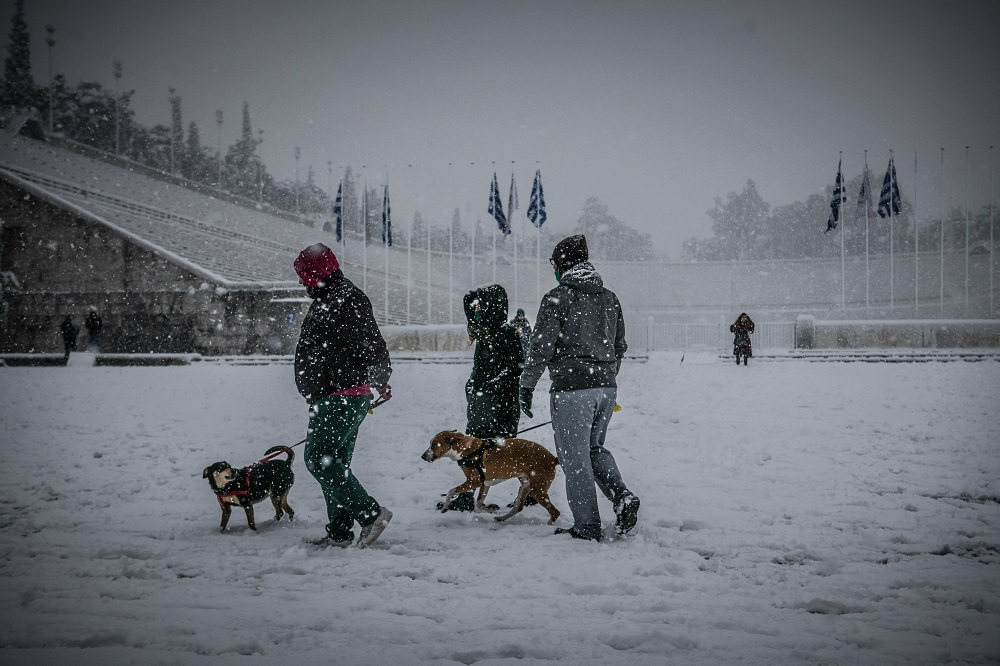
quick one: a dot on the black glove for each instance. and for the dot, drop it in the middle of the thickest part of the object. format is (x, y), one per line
(384, 392)
(524, 400)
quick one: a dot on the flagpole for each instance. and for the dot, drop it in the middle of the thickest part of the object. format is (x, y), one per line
(843, 221)
(892, 271)
(511, 203)
(867, 185)
(451, 272)
(991, 231)
(409, 246)
(364, 230)
(386, 233)
(916, 244)
(942, 234)
(966, 231)
(428, 225)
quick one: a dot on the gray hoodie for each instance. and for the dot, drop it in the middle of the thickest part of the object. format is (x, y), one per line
(579, 334)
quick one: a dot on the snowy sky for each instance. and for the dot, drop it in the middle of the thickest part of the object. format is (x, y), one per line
(654, 107)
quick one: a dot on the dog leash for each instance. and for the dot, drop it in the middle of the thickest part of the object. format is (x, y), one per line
(618, 408)
(379, 401)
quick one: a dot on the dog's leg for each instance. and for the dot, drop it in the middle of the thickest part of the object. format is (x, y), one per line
(456, 491)
(278, 511)
(287, 507)
(481, 504)
(522, 495)
(249, 509)
(542, 497)
(226, 512)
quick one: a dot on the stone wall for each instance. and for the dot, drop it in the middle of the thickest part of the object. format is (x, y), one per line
(910, 334)
(66, 264)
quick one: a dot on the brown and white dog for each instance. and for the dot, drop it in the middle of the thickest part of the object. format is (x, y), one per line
(248, 485)
(488, 462)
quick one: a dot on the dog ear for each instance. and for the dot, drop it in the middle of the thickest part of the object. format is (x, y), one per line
(208, 470)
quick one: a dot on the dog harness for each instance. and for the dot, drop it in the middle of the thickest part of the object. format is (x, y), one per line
(222, 494)
(475, 459)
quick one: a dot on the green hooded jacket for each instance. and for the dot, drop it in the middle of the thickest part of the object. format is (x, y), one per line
(491, 391)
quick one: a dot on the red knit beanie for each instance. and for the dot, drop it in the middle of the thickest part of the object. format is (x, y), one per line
(315, 263)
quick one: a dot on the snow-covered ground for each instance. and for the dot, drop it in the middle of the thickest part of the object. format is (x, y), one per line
(792, 512)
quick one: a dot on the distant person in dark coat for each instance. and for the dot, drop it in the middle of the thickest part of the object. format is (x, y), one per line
(523, 329)
(742, 327)
(69, 333)
(93, 324)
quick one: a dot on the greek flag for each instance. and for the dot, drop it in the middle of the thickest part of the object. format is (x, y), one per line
(835, 202)
(865, 195)
(536, 206)
(338, 209)
(512, 202)
(890, 192)
(496, 207)
(386, 218)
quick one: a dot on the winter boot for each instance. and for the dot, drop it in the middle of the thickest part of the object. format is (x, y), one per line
(372, 531)
(626, 512)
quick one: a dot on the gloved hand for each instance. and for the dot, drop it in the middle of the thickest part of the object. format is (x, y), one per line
(384, 392)
(524, 400)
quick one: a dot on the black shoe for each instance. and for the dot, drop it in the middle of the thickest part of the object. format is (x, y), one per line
(626, 512)
(463, 502)
(576, 535)
(340, 541)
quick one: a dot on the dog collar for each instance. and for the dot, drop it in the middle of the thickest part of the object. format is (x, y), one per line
(221, 494)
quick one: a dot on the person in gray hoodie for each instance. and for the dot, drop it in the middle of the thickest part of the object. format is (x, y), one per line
(580, 337)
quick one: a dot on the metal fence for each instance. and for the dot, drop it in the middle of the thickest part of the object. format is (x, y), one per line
(673, 336)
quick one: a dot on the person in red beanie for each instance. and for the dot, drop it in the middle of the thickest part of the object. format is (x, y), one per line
(341, 355)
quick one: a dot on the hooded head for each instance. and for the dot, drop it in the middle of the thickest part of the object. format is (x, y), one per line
(569, 252)
(315, 263)
(520, 314)
(486, 309)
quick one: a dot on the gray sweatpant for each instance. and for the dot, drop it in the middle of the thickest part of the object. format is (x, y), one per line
(579, 423)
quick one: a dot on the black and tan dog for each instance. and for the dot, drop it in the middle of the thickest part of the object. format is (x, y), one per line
(248, 485)
(488, 462)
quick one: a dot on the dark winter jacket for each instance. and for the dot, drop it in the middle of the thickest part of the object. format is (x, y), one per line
(579, 334)
(69, 333)
(93, 324)
(742, 327)
(340, 346)
(491, 392)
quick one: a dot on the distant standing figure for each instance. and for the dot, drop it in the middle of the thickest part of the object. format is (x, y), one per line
(69, 333)
(93, 325)
(742, 327)
(523, 329)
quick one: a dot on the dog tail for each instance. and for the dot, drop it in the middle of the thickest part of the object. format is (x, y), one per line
(282, 449)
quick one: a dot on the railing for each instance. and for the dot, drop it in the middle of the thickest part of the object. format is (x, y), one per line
(671, 336)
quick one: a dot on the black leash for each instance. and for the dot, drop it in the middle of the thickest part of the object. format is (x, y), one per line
(533, 427)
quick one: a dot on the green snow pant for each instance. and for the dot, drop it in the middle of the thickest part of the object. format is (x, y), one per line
(333, 429)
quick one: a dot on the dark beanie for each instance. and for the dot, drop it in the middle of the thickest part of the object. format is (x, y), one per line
(315, 263)
(569, 252)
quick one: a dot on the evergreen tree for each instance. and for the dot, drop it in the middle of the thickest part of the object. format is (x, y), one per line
(242, 160)
(176, 132)
(609, 238)
(461, 242)
(18, 85)
(418, 235)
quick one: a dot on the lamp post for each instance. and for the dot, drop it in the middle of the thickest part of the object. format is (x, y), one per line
(218, 121)
(116, 70)
(51, 41)
(297, 155)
